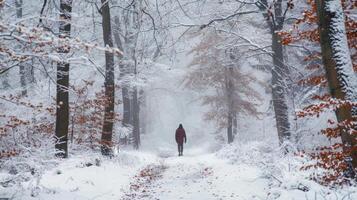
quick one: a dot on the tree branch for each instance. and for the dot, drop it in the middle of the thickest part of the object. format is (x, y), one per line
(227, 18)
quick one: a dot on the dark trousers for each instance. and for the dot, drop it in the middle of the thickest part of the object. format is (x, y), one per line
(180, 148)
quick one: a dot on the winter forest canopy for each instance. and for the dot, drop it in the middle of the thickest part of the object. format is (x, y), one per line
(92, 93)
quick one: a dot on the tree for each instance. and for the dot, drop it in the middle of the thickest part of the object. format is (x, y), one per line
(335, 156)
(19, 4)
(136, 122)
(5, 81)
(107, 131)
(39, 46)
(216, 66)
(62, 113)
(275, 14)
(124, 72)
(135, 101)
(337, 64)
(126, 34)
(280, 72)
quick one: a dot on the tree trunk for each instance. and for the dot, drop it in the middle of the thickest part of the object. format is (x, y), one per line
(22, 72)
(4, 77)
(62, 114)
(126, 106)
(124, 71)
(235, 124)
(142, 113)
(136, 109)
(337, 62)
(136, 122)
(230, 128)
(107, 131)
(230, 104)
(134, 22)
(279, 71)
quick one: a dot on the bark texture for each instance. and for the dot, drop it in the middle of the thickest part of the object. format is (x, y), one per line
(107, 131)
(279, 70)
(136, 122)
(337, 62)
(4, 76)
(62, 113)
(230, 104)
(124, 71)
(22, 71)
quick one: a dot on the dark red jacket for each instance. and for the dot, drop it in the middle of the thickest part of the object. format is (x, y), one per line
(180, 135)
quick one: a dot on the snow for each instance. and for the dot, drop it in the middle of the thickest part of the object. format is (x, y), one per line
(243, 171)
(341, 53)
(80, 178)
(251, 168)
(207, 177)
(281, 172)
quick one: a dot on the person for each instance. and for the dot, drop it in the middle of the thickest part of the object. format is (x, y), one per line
(180, 138)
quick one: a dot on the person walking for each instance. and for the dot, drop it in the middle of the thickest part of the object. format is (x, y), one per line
(180, 138)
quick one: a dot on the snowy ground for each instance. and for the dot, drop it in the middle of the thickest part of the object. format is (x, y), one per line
(80, 178)
(195, 176)
(206, 177)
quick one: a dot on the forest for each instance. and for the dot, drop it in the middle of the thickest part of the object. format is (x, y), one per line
(178, 99)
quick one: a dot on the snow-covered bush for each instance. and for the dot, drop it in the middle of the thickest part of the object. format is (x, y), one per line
(284, 171)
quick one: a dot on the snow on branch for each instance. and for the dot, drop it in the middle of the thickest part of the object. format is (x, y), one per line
(43, 44)
(327, 103)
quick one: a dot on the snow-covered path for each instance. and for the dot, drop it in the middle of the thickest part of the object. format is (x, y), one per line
(135, 175)
(199, 177)
(206, 177)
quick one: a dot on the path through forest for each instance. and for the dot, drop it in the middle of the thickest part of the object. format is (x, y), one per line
(138, 175)
(197, 177)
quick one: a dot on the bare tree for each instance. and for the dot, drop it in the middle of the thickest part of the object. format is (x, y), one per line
(19, 4)
(107, 131)
(232, 115)
(5, 81)
(136, 17)
(124, 71)
(280, 71)
(275, 16)
(62, 114)
(126, 35)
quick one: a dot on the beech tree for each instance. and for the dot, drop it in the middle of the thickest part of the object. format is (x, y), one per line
(337, 64)
(130, 35)
(216, 66)
(131, 31)
(107, 131)
(19, 4)
(136, 26)
(38, 46)
(275, 15)
(62, 114)
(5, 82)
(124, 72)
(319, 28)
